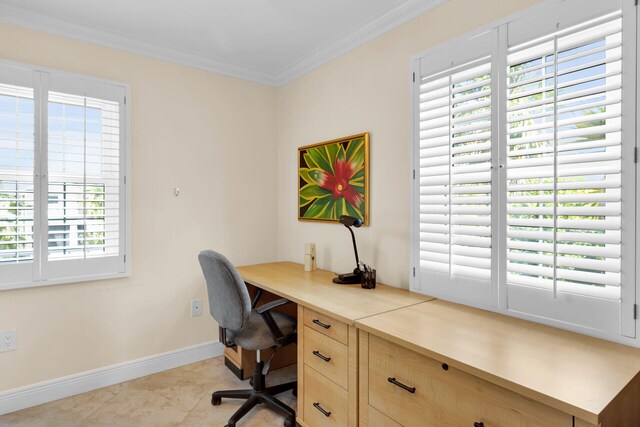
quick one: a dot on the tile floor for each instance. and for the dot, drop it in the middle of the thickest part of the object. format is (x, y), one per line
(179, 397)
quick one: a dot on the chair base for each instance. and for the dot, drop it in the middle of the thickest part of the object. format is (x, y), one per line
(259, 394)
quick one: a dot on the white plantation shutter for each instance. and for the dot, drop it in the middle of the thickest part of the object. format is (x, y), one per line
(532, 188)
(62, 190)
(16, 173)
(564, 162)
(85, 161)
(83, 156)
(455, 173)
(454, 177)
(17, 147)
(565, 216)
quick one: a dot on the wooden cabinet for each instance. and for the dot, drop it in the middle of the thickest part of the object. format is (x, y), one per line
(327, 371)
(327, 313)
(500, 371)
(414, 390)
(443, 364)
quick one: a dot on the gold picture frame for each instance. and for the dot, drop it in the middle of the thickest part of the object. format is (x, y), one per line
(333, 179)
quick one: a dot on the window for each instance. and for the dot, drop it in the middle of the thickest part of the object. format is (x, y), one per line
(62, 178)
(525, 185)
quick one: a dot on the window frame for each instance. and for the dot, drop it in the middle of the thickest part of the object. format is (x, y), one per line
(630, 332)
(72, 272)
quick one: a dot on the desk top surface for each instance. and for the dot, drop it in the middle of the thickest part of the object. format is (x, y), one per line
(570, 372)
(316, 291)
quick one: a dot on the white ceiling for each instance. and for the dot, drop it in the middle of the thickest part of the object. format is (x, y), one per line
(269, 41)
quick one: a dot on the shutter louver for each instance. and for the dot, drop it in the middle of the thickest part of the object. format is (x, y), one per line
(17, 135)
(564, 161)
(84, 174)
(455, 172)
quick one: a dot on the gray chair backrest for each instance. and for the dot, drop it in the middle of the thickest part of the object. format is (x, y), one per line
(229, 301)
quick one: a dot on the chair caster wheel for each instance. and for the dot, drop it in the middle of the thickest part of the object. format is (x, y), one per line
(215, 401)
(289, 422)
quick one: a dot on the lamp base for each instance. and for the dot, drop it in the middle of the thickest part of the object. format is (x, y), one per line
(348, 278)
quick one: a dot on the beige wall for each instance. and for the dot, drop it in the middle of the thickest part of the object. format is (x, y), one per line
(212, 136)
(367, 89)
(231, 147)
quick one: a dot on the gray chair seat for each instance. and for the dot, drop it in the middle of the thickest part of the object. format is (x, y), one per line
(256, 335)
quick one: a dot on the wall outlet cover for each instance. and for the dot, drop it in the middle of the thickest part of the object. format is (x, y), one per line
(196, 307)
(8, 340)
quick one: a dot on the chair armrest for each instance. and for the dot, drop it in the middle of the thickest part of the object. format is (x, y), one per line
(271, 305)
(265, 311)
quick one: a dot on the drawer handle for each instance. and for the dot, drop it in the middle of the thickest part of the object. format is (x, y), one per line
(478, 424)
(321, 356)
(402, 386)
(319, 323)
(321, 409)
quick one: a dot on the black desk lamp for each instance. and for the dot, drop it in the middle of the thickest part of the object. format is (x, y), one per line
(356, 276)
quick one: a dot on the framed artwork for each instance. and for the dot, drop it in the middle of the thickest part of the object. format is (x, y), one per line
(333, 179)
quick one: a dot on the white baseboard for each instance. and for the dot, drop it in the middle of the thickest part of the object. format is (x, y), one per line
(48, 391)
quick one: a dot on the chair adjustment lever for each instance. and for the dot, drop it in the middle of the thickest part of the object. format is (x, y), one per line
(267, 366)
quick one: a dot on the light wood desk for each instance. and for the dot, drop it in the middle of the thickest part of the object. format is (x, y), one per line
(469, 367)
(316, 291)
(501, 371)
(326, 327)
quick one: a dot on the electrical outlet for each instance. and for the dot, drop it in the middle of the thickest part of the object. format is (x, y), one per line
(196, 307)
(8, 340)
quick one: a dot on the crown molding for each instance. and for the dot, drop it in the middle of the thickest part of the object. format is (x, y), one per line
(396, 17)
(405, 12)
(369, 31)
(21, 17)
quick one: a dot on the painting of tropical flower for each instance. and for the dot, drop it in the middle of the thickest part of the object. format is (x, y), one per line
(333, 179)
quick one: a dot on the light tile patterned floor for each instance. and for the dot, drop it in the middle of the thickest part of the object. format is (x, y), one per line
(179, 397)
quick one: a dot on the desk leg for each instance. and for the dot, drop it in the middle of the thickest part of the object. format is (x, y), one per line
(300, 399)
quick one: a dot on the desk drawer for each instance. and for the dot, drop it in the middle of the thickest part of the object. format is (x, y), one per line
(326, 325)
(325, 403)
(327, 356)
(378, 419)
(415, 390)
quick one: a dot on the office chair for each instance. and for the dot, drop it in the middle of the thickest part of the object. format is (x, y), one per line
(241, 323)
